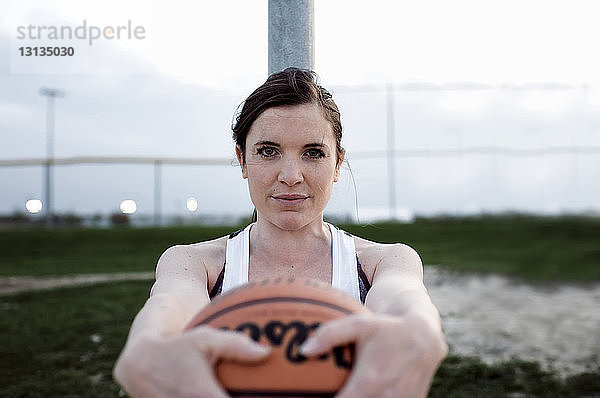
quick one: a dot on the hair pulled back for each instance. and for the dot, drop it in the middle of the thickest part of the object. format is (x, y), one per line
(292, 86)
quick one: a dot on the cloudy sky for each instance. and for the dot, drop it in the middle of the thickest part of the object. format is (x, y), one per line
(511, 74)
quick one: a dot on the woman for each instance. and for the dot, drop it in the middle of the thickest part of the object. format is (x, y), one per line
(288, 142)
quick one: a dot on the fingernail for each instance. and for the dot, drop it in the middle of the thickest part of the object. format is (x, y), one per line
(259, 349)
(309, 347)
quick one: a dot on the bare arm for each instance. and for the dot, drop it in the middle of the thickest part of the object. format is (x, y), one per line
(179, 292)
(398, 287)
(400, 345)
(159, 358)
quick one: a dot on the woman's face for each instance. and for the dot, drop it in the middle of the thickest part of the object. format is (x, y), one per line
(290, 164)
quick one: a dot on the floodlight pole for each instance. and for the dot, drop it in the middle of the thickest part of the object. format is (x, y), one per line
(291, 34)
(50, 94)
(391, 150)
(157, 219)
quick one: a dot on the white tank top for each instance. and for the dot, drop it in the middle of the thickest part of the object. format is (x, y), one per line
(344, 272)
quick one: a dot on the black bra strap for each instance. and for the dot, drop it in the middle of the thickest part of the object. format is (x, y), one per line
(216, 290)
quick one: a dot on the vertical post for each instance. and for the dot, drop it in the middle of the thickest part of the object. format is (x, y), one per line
(291, 34)
(48, 192)
(50, 94)
(157, 192)
(391, 150)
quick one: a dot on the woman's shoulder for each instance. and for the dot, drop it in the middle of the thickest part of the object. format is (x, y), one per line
(206, 249)
(376, 248)
(375, 255)
(210, 254)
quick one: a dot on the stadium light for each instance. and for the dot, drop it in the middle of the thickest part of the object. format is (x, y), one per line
(191, 204)
(33, 206)
(128, 206)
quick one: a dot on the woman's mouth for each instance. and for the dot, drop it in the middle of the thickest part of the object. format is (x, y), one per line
(289, 199)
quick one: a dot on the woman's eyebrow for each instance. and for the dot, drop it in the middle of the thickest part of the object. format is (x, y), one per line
(266, 142)
(316, 145)
(310, 145)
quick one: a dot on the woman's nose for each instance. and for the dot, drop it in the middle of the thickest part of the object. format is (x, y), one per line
(290, 172)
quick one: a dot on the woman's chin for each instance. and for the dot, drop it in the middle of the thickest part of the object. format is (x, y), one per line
(291, 221)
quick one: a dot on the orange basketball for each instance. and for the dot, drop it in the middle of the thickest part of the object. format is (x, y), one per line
(282, 313)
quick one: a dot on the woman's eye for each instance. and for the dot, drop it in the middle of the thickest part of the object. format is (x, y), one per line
(315, 153)
(267, 152)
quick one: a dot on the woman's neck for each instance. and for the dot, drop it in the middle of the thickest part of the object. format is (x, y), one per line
(272, 246)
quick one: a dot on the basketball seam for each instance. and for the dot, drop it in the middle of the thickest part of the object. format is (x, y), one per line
(279, 393)
(273, 299)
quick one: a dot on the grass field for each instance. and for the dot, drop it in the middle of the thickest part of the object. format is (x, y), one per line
(63, 342)
(536, 249)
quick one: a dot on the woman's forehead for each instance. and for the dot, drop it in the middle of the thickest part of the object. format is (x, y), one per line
(294, 123)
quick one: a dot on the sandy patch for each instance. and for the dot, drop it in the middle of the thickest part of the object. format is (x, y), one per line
(497, 318)
(10, 285)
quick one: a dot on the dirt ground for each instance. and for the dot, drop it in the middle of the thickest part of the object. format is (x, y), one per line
(10, 285)
(498, 318)
(492, 317)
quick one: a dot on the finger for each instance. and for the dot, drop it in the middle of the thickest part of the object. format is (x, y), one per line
(352, 389)
(218, 344)
(210, 387)
(334, 333)
(194, 387)
(364, 380)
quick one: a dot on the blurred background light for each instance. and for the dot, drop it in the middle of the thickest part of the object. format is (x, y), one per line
(191, 204)
(33, 206)
(128, 206)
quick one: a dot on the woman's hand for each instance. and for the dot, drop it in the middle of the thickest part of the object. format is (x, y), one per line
(395, 356)
(182, 365)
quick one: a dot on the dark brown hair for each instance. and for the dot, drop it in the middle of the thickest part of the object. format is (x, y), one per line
(291, 86)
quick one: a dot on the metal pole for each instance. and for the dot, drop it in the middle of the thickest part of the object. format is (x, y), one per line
(157, 192)
(391, 150)
(291, 34)
(50, 94)
(49, 157)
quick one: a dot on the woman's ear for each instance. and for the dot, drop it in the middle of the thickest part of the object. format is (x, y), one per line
(336, 175)
(242, 160)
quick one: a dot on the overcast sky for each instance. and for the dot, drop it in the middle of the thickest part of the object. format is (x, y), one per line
(173, 94)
